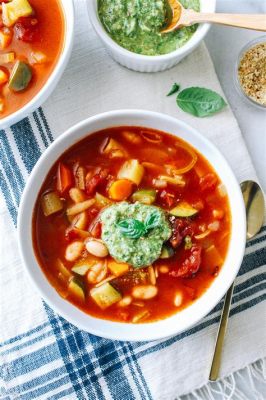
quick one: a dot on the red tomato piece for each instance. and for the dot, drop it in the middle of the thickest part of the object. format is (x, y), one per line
(190, 266)
(64, 178)
(180, 228)
(96, 180)
(167, 198)
(95, 228)
(208, 182)
(27, 30)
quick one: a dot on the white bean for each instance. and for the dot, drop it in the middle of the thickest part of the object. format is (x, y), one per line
(97, 272)
(96, 247)
(178, 299)
(74, 250)
(125, 301)
(144, 292)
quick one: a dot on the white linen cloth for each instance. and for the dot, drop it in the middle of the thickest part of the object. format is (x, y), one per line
(94, 83)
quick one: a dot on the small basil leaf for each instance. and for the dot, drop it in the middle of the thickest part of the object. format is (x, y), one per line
(175, 88)
(152, 221)
(131, 228)
(200, 102)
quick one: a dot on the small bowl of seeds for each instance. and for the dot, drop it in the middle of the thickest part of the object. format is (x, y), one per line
(250, 72)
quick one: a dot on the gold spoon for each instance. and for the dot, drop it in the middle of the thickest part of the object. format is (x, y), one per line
(185, 17)
(255, 209)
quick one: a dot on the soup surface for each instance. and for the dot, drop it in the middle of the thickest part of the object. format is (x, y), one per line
(31, 39)
(131, 224)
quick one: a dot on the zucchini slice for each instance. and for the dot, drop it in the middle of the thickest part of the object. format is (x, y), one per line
(20, 76)
(76, 287)
(81, 268)
(167, 251)
(105, 295)
(15, 9)
(144, 196)
(184, 210)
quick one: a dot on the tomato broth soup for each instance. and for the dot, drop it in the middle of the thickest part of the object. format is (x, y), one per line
(31, 40)
(131, 224)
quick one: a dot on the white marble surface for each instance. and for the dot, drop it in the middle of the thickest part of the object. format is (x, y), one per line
(224, 44)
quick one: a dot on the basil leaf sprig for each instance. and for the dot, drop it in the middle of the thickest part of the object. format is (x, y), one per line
(174, 89)
(152, 221)
(134, 228)
(131, 228)
(200, 102)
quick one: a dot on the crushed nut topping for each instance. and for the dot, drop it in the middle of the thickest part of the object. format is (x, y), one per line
(252, 73)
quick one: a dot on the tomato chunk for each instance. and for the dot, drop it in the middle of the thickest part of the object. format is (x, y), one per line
(64, 178)
(180, 228)
(167, 198)
(190, 265)
(27, 30)
(96, 180)
(208, 182)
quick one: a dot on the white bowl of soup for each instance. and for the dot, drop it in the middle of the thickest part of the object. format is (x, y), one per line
(35, 46)
(130, 32)
(132, 225)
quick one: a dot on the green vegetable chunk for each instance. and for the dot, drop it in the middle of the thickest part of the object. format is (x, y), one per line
(167, 251)
(20, 76)
(200, 102)
(144, 196)
(134, 233)
(76, 287)
(105, 295)
(184, 210)
(81, 269)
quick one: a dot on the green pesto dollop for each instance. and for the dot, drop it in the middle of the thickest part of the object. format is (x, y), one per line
(138, 252)
(136, 25)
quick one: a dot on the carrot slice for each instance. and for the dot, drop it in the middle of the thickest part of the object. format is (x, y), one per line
(64, 178)
(120, 189)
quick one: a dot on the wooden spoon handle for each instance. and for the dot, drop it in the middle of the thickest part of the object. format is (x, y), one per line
(249, 21)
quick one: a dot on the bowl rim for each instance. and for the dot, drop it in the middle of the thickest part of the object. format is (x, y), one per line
(109, 42)
(69, 17)
(172, 325)
(240, 90)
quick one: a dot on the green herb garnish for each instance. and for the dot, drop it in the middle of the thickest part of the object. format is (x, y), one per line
(134, 228)
(174, 89)
(200, 102)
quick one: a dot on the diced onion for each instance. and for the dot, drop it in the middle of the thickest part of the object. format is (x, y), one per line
(214, 226)
(222, 190)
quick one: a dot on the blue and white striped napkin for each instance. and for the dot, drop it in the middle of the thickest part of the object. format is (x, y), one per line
(45, 357)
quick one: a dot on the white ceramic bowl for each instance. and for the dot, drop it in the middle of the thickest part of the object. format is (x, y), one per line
(142, 63)
(50, 84)
(123, 331)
